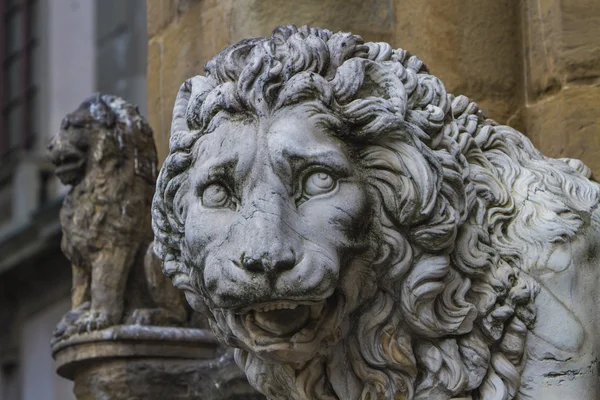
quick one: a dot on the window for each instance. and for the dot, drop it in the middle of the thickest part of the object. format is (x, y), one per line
(18, 48)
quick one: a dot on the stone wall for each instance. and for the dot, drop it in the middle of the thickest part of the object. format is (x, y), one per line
(533, 64)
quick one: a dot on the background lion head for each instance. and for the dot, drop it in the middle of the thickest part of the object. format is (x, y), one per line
(327, 205)
(107, 133)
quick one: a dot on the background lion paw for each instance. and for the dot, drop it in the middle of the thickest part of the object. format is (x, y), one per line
(94, 320)
(155, 317)
(67, 326)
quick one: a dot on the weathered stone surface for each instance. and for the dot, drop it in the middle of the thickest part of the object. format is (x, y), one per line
(105, 151)
(158, 120)
(203, 28)
(474, 46)
(359, 233)
(186, 44)
(160, 14)
(506, 55)
(562, 60)
(150, 363)
(129, 334)
(566, 124)
(131, 341)
(562, 45)
(372, 18)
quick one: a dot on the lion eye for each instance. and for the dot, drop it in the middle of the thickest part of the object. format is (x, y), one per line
(318, 183)
(215, 196)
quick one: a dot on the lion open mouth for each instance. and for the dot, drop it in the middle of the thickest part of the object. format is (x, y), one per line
(67, 160)
(285, 321)
(68, 166)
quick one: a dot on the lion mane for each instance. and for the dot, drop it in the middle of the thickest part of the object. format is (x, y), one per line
(458, 200)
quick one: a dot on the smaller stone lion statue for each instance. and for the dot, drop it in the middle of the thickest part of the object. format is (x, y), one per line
(358, 233)
(106, 152)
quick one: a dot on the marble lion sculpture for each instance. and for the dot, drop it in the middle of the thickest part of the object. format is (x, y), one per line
(358, 233)
(106, 152)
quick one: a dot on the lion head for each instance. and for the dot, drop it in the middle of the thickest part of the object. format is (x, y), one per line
(325, 203)
(99, 134)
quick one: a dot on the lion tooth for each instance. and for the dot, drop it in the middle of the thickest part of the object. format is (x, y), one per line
(277, 306)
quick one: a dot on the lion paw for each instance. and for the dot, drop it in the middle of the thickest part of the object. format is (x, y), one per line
(94, 320)
(67, 326)
(154, 317)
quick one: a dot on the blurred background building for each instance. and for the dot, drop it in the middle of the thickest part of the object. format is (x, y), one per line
(54, 54)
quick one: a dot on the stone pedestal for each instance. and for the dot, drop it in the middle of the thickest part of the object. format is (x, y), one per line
(140, 362)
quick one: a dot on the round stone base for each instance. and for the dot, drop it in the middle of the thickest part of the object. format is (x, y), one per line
(141, 362)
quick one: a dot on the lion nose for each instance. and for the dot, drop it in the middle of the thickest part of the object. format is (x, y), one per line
(269, 263)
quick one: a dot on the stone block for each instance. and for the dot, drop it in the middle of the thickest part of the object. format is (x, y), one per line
(567, 125)
(160, 14)
(561, 43)
(581, 38)
(538, 36)
(473, 46)
(373, 19)
(152, 363)
(153, 87)
(184, 46)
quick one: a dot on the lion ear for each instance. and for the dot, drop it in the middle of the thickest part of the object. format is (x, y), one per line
(102, 112)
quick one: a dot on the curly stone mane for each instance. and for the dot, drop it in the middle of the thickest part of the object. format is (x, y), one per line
(457, 198)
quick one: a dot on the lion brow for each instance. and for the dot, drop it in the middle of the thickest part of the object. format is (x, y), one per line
(216, 167)
(330, 158)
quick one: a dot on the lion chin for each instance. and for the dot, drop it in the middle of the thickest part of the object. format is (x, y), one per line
(358, 233)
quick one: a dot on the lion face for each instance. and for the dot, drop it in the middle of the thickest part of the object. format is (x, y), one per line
(68, 152)
(87, 132)
(277, 226)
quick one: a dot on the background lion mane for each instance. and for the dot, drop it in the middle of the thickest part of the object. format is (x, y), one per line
(459, 197)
